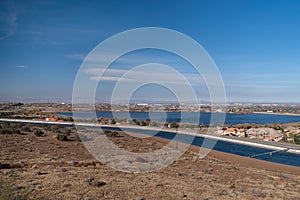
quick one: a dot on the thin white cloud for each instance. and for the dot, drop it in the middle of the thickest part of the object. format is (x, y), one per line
(22, 67)
(100, 58)
(142, 76)
(255, 86)
(8, 19)
(76, 56)
(273, 75)
(106, 58)
(108, 72)
(112, 78)
(94, 66)
(53, 43)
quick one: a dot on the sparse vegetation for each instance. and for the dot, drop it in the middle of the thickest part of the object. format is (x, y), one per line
(10, 191)
(62, 137)
(110, 133)
(26, 129)
(38, 133)
(32, 179)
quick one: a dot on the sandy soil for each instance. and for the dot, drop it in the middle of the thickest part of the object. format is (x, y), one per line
(243, 161)
(46, 168)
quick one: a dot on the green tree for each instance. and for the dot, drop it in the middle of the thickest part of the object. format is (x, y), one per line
(174, 125)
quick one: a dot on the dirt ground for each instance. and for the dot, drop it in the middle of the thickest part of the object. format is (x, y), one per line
(37, 166)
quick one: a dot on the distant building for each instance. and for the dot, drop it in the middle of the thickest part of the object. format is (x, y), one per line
(263, 133)
(274, 138)
(234, 132)
(291, 132)
(291, 129)
(240, 132)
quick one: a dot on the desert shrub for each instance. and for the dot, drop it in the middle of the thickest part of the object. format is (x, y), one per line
(56, 129)
(66, 119)
(297, 139)
(155, 124)
(84, 138)
(173, 125)
(115, 134)
(62, 137)
(77, 138)
(258, 193)
(81, 138)
(66, 131)
(91, 181)
(109, 133)
(143, 123)
(5, 166)
(17, 131)
(5, 131)
(39, 133)
(7, 191)
(26, 129)
(135, 122)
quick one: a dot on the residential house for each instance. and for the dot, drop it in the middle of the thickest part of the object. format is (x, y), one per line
(262, 133)
(234, 132)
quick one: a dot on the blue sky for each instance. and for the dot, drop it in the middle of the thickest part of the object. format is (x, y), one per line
(255, 44)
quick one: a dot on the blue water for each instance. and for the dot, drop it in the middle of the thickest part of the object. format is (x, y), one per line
(192, 117)
(228, 147)
(239, 149)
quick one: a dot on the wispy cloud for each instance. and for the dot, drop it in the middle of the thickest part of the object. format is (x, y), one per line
(108, 72)
(144, 75)
(255, 86)
(21, 67)
(273, 75)
(131, 59)
(53, 43)
(137, 76)
(112, 78)
(76, 56)
(8, 19)
(108, 57)
(155, 68)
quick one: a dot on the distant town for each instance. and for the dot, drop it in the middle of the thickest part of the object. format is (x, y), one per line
(269, 132)
(240, 108)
